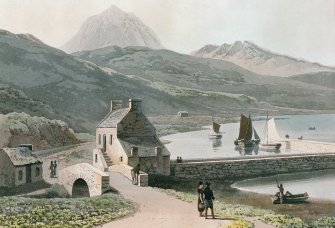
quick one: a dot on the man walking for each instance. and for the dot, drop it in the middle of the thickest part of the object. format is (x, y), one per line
(208, 199)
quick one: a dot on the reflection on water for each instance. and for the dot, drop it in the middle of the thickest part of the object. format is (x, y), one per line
(196, 144)
(318, 184)
(216, 143)
(247, 150)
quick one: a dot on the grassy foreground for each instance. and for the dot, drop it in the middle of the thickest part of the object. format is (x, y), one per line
(227, 208)
(238, 212)
(62, 212)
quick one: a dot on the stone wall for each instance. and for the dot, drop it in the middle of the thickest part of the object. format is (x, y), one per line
(19, 169)
(7, 171)
(126, 171)
(253, 167)
(36, 175)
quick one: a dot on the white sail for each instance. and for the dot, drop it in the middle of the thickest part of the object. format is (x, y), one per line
(271, 133)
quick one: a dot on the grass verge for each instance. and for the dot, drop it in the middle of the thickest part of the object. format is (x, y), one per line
(58, 212)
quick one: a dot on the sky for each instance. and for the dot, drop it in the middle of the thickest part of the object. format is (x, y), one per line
(299, 28)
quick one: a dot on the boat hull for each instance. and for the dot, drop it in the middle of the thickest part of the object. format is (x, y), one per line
(270, 146)
(216, 136)
(290, 199)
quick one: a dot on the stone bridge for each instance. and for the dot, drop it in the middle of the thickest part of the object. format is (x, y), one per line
(83, 180)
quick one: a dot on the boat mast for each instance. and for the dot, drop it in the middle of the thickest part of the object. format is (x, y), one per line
(267, 127)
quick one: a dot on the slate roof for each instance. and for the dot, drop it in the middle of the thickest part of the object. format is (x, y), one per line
(113, 118)
(146, 145)
(21, 156)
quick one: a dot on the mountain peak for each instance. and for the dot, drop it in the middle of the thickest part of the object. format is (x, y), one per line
(112, 27)
(257, 59)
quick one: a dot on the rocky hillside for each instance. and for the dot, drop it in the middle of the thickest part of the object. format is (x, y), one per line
(259, 60)
(112, 27)
(21, 128)
(202, 78)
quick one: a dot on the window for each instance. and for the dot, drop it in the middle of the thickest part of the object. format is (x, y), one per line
(37, 171)
(121, 159)
(111, 140)
(20, 177)
(96, 158)
(99, 139)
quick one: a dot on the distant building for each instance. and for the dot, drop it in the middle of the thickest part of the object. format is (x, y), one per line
(126, 136)
(182, 114)
(19, 166)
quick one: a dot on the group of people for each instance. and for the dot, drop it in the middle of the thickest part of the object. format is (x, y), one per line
(53, 169)
(205, 199)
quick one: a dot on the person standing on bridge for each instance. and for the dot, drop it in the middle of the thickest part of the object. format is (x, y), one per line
(134, 173)
(55, 168)
(51, 169)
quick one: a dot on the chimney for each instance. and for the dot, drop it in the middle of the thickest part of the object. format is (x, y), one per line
(158, 151)
(135, 104)
(115, 105)
(134, 151)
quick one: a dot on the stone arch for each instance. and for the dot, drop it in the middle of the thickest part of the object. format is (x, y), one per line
(83, 179)
(80, 188)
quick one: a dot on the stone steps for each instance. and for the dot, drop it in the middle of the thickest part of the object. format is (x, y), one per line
(108, 160)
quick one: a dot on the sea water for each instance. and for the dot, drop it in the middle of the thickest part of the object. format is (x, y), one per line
(197, 145)
(318, 184)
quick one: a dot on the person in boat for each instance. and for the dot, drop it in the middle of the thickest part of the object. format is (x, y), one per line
(281, 193)
(208, 199)
(201, 206)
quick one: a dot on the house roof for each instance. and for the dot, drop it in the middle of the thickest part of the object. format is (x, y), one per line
(21, 156)
(146, 145)
(113, 118)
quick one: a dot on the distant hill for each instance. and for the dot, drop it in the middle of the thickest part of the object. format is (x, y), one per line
(326, 79)
(180, 74)
(48, 82)
(112, 27)
(256, 59)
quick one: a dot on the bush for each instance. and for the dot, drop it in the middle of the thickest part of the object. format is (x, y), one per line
(57, 191)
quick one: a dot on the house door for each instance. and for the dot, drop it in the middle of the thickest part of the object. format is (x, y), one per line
(104, 143)
(28, 174)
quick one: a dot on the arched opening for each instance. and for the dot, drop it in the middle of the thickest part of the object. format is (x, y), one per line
(80, 188)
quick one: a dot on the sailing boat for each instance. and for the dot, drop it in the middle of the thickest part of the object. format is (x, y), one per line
(271, 136)
(256, 137)
(246, 133)
(215, 130)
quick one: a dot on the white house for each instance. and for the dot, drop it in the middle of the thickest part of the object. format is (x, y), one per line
(126, 136)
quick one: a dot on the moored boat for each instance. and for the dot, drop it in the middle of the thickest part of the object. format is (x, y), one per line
(245, 137)
(290, 198)
(272, 137)
(215, 130)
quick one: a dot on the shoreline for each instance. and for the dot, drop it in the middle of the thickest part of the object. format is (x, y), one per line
(308, 212)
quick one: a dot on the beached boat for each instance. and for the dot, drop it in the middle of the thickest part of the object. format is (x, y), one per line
(272, 137)
(290, 198)
(245, 137)
(215, 131)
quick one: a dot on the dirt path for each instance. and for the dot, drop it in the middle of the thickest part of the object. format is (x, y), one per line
(157, 209)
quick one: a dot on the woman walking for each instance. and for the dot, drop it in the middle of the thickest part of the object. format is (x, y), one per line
(201, 206)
